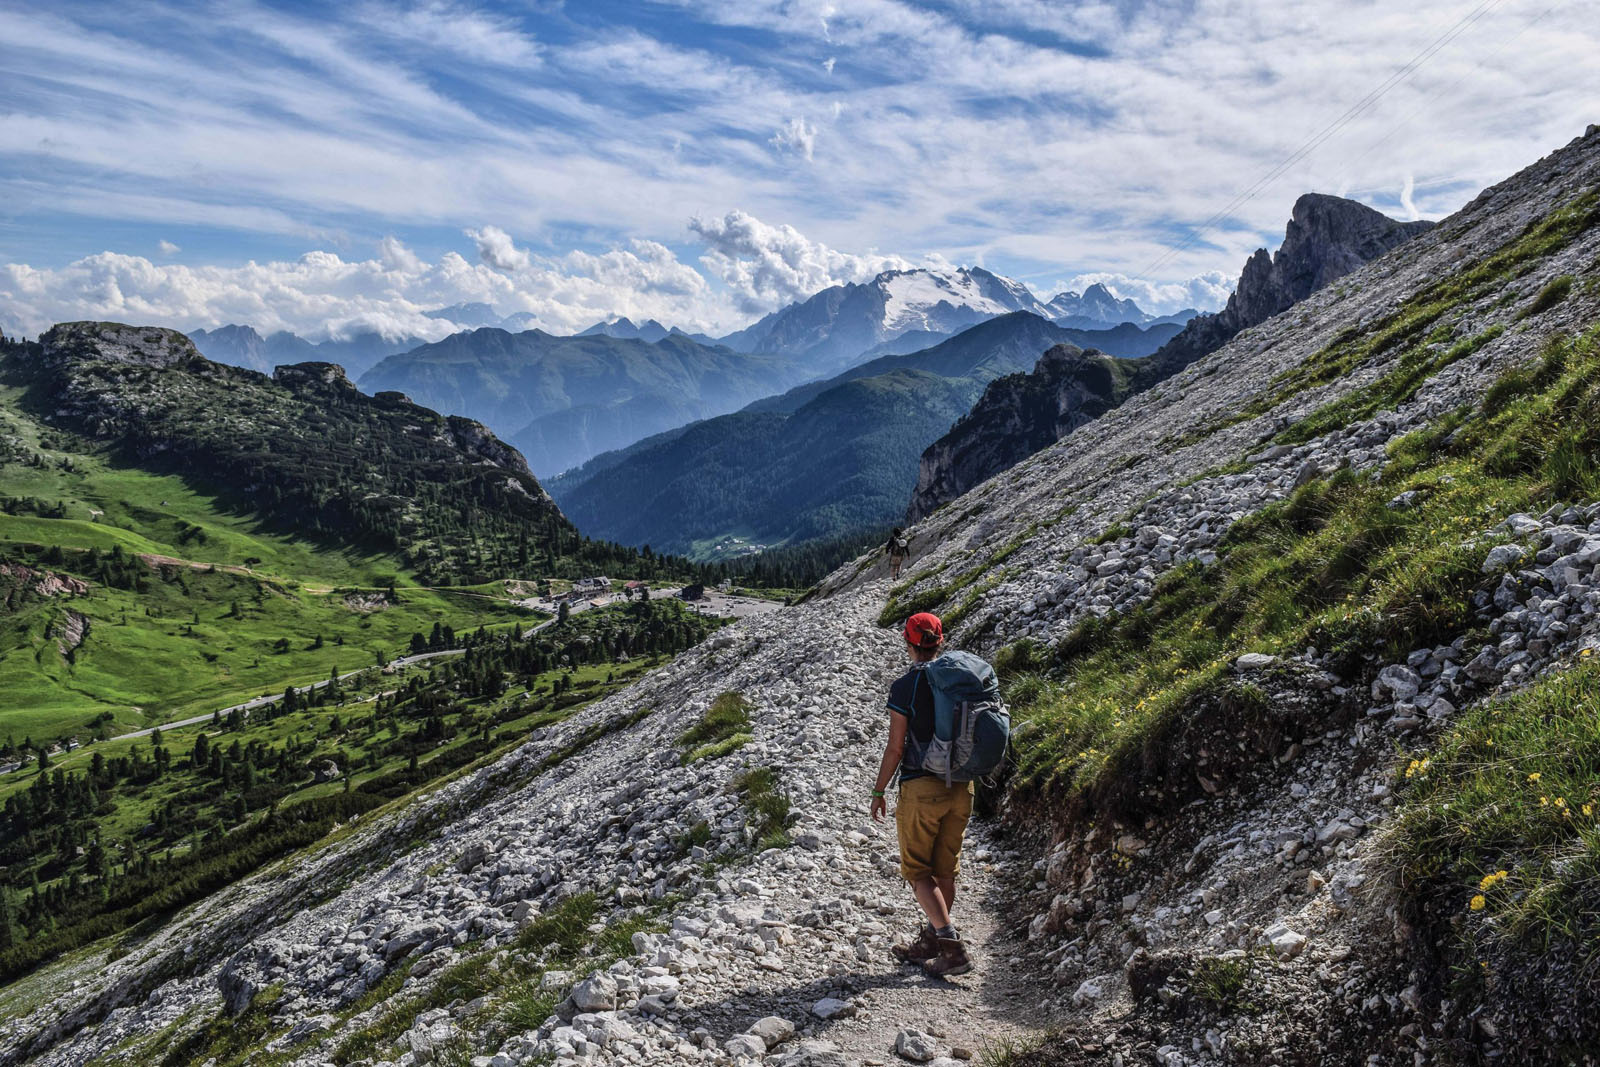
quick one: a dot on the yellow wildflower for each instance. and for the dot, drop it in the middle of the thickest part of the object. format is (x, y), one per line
(1588, 809)
(1544, 802)
(1534, 777)
(1477, 903)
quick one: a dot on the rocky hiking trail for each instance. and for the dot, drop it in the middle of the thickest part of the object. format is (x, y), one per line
(801, 933)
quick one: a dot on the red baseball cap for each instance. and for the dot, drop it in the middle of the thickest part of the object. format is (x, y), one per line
(924, 630)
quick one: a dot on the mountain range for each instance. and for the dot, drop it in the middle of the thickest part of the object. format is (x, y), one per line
(1097, 308)
(562, 400)
(819, 460)
(829, 454)
(1326, 238)
(242, 346)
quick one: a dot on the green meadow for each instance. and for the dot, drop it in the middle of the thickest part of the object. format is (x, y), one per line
(236, 611)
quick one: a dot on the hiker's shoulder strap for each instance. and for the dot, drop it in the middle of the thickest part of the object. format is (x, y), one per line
(903, 692)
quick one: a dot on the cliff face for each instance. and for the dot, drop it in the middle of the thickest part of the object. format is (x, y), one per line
(1327, 238)
(1022, 413)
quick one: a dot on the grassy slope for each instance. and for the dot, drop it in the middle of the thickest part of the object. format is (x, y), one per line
(147, 661)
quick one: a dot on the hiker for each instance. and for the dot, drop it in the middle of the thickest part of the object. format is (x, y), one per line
(898, 548)
(947, 727)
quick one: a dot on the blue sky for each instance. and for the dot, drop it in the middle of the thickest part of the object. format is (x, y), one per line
(331, 167)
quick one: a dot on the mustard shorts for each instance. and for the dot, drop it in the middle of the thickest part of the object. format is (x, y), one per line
(930, 819)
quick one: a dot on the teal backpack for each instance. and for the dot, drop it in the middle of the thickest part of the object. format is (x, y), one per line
(971, 726)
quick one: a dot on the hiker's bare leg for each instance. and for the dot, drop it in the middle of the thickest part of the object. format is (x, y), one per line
(947, 892)
(932, 901)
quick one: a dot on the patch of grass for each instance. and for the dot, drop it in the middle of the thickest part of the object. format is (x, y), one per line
(1501, 819)
(1114, 532)
(228, 1041)
(1414, 367)
(1553, 292)
(1220, 983)
(724, 728)
(696, 836)
(767, 806)
(589, 735)
(1332, 566)
(556, 940)
(898, 610)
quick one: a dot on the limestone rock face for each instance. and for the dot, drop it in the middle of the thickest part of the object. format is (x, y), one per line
(114, 342)
(1327, 238)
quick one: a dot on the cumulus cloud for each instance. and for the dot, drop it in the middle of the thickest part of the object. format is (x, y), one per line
(496, 249)
(766, 266)
(1206, 292)
(321, 295)
(167, 248)
(796, 135)
(396, 256)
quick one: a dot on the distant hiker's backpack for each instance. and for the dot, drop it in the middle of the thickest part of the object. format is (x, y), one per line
(901, 547)
(971, 726)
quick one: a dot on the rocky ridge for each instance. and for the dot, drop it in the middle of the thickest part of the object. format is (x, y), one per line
(1327, 237)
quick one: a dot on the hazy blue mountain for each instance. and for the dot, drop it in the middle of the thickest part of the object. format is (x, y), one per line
(648, 330)
(242, 346)
(562, 400)
(822, 459)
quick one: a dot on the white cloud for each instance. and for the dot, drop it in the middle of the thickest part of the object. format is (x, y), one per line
(765, 266)
(946, 127)
(1205, 292)
(470, 34)
(1407, 193)
(322, 295)
(396, 256)
(496, 249)
(796, 135)
(167, 248)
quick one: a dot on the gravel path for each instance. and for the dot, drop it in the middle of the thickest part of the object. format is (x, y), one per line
(995, 1002)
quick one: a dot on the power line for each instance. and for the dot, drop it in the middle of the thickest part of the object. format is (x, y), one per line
(1350, 115)
(1351, 165)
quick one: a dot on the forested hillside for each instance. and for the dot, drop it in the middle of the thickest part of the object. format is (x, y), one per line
(305, 451)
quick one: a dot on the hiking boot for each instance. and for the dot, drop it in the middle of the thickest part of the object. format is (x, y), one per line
(924, 948)
(951, 960)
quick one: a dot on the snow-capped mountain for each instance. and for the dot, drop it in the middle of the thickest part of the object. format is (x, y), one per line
(834, 327)
(934, 300)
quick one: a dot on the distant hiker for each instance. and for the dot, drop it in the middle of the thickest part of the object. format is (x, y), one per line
(947, 727)
(899, 549)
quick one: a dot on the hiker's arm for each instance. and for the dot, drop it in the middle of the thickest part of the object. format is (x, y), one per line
(891, 760)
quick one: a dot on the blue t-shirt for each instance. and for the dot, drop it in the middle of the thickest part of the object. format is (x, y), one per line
(912, 696)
